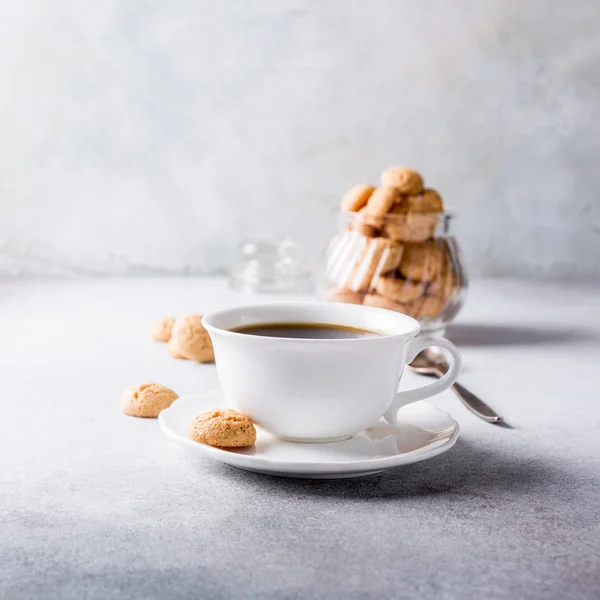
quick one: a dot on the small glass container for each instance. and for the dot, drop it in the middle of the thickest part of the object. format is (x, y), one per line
(410, 263)
(269, 267)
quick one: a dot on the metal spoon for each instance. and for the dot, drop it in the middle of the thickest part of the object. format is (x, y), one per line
(433, 362)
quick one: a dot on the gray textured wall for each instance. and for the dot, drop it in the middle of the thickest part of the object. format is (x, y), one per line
(139, 136)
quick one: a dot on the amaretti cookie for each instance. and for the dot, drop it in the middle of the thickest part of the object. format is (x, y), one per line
(378, 257)
(420, 261)
(160, 331)
(191, 340)
(430, 307)
(410, 227)
(356, 197)
(404, 179)
(429, 202)
(399, 289)
(367, 225)
(147, 399)
(345, 295)
(382, 200)
(224, 428)
(379, 301)
(173, 350)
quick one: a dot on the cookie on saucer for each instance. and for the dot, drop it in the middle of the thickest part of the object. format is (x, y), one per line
(223, 428)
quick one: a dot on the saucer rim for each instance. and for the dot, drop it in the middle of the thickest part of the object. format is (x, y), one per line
(252, 462)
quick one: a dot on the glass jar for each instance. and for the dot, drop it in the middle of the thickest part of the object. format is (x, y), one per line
(269, 267)
(405, 262)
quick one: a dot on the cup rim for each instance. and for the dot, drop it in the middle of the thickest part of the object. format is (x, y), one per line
(411, 325)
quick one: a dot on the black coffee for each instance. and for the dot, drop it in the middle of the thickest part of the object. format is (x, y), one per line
(310, 331)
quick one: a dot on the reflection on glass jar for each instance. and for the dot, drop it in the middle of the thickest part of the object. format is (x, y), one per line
(404, 262)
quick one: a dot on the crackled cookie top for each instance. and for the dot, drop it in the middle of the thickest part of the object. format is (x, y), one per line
(224, 428)
(190, 340)
(147, 399)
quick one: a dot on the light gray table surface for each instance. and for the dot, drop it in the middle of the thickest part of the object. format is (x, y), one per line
(94, 504)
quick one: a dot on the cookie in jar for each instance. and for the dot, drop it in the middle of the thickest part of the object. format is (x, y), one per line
(395, 250)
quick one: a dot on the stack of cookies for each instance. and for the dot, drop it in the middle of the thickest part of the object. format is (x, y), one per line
(389, 254)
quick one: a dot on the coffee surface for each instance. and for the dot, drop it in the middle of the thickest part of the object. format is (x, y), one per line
(309, 331)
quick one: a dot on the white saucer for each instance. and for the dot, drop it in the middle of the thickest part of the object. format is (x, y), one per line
(423, 432)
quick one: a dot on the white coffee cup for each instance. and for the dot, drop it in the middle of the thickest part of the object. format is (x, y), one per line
(316, 390)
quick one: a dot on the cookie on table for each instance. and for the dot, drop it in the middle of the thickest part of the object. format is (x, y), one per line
(382, 201)
(223, 428)
(404, 179)
(147, 399)
(160, 331)
(356, 197)
(173, 350)
(190, 340)
(421, 261)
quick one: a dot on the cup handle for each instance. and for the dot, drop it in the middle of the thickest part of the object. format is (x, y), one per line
(415, 346)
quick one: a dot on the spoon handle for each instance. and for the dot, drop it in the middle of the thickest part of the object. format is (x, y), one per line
(475, 405)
